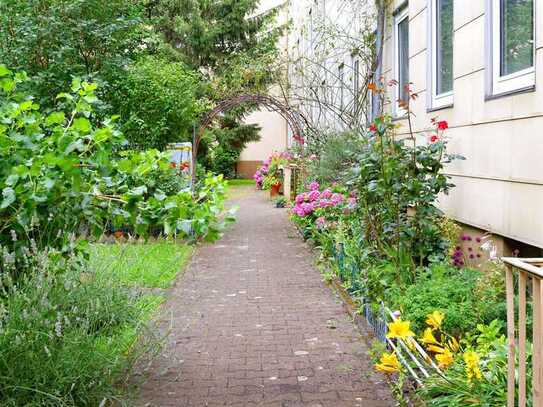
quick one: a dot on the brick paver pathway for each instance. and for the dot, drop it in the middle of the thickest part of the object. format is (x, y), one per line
(252, 324)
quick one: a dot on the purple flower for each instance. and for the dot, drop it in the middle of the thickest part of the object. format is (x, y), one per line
(300, 198)
(478, 240)
(314, 186)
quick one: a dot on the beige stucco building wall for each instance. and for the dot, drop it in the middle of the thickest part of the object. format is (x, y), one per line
(273, 138)
(274, 128)
(499, 187)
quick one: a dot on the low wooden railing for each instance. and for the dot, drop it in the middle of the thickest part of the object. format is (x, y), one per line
(528, 270)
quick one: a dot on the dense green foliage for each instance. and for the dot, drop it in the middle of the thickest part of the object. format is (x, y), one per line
(157, 101)
(64, 172)
(453, 292)
(56, 40)
(67, 330)
(232, 54)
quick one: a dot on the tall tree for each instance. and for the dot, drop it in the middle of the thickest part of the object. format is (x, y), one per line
(232, 47)
(55, 40)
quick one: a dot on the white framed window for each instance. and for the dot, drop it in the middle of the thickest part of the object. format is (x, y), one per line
(401, 58)
(440, 63)
(511, 31)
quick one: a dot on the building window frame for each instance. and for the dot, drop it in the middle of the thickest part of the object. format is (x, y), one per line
(446, 99)
(402, 15)
(498, 84)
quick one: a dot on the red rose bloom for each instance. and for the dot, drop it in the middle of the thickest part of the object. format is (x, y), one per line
(373, 128)
(434, 138)
(442, 125)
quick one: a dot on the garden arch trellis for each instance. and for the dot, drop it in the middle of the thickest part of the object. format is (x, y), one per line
(294, 119)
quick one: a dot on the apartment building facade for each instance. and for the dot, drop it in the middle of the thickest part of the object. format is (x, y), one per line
(476, 64)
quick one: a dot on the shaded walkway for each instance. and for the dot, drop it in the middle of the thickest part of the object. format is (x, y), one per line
(252, 324)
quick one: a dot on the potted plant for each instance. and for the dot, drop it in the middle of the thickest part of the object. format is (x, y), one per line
(272, 183)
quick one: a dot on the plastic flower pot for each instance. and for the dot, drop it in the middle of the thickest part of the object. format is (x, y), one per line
(274, 190)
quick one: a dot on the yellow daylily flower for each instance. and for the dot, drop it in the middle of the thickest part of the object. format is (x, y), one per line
(472, 365)
(435, 319)
(435, 349)
(388, 363)
(428, 338)
(453, 344)
(445, 359)
(400, 329)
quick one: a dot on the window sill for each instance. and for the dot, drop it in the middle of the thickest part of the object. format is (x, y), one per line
(399, 118)
(526, 89)
(437, 108)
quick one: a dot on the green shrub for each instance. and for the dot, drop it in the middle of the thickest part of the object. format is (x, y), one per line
(451, 291)
(62, 173)
(157, 103)
(66, 335)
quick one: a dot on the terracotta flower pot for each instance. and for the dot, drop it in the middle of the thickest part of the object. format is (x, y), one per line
(274, 190)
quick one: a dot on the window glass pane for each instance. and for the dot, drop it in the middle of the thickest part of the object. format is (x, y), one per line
(444, 46)
(517, 35)
(403, 57)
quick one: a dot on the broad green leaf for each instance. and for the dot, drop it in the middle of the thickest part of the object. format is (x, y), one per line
(4, 71)
(8, 195)
(55, 118)
(82, 124)
(12, 180)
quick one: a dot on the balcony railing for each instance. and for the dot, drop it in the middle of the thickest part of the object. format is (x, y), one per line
(529, 270)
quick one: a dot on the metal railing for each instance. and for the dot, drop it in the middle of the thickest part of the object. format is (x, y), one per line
(529, 271)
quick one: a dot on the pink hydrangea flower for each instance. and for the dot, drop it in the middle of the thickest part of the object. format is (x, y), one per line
(326, 194)
(337, 199)
(324, 203)
(314, 195)
(314, 186)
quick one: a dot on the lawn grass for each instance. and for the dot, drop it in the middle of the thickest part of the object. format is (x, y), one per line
(239, 188)
(235, 182)
(147, 265)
